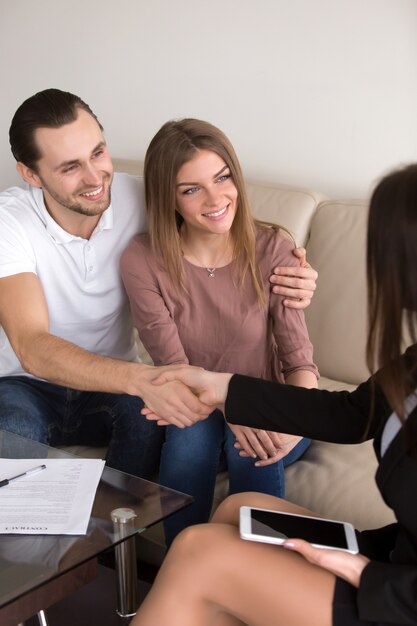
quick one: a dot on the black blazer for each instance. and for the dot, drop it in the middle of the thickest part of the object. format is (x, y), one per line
(388, 590)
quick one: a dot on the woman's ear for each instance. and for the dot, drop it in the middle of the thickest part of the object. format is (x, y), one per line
(28, 175)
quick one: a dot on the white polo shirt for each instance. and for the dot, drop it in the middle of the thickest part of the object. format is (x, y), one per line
(86, 299)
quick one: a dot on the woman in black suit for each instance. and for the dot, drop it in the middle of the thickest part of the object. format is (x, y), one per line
(212, 577)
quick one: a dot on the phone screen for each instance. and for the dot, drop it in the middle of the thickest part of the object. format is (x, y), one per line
(323, 532)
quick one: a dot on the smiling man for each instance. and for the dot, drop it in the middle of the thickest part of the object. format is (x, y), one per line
(69, 370)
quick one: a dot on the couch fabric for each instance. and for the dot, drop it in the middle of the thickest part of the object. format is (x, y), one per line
(334, 480)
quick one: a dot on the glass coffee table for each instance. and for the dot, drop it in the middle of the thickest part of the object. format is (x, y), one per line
(37, 571)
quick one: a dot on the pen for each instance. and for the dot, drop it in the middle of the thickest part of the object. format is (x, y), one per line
(30, 472)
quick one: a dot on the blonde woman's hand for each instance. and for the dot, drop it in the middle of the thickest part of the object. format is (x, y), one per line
(281, 445)
(254, 443)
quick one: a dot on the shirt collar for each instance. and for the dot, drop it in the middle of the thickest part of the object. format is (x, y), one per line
(56, 231)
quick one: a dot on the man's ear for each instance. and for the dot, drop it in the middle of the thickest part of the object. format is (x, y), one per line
(28, 175)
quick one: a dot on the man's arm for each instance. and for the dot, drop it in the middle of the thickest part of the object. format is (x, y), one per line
(297, 284)
(25, 320)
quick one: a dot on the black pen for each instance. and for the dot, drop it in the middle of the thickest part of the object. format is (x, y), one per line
(34, 470)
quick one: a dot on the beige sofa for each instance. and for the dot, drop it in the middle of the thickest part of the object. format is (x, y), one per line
(334, 480)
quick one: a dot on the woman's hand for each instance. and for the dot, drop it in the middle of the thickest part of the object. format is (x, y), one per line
(343, 564)
(255, 443)
(297, 283)
(277, 445)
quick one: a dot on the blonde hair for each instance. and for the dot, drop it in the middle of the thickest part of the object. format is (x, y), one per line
(173, 145)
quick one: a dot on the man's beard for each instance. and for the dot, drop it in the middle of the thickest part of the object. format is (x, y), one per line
(76, 206)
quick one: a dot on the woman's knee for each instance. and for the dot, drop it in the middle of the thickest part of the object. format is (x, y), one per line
(228, 511)
(192, 544)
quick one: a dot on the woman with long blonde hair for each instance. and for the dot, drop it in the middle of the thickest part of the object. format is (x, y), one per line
(199, 293)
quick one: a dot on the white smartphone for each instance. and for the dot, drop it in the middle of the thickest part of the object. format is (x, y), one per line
(275, 527)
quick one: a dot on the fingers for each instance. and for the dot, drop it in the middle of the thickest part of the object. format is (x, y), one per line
(297, 271)
(175, 403)
(296, 284)
(300, 253)
(245, 448)
(304, 548)
(284, 443)
(247, 442)
(288, 284)
(275, 446)
(267, 443)
(168, 373)
(256, 443)
(271, 460)
(340, 563)
(297, 304)
(211, 387)
(152, 417)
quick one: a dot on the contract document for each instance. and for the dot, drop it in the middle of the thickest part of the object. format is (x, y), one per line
(55, 501)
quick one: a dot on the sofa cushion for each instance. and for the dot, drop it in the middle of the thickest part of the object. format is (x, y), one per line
(336, 319)
(291, 207)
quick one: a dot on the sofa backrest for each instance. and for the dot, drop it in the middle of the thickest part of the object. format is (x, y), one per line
(336, 319)
(292, 207)
(334, 233)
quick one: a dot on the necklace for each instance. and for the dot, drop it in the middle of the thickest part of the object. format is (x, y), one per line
(210, 270)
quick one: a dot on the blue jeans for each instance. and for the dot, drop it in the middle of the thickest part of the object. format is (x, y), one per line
(190, 461)
(57, 416)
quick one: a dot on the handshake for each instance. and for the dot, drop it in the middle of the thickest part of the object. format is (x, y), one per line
(182, 395)
(193, 394)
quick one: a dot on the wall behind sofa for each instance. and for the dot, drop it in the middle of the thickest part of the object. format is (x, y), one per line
(321, 93)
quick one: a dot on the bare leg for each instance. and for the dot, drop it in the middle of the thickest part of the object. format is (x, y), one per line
(210, 573)
(228, 511)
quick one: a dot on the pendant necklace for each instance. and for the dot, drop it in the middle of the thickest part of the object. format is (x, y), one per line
(210, 270)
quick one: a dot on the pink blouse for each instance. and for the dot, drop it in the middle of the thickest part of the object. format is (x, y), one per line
(218, 323)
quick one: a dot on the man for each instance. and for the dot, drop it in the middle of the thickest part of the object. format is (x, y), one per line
(69, 372)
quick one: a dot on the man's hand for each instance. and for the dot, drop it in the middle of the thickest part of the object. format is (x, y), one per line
(170, 401)
(297, 283)
(210, 387)
(342, 564)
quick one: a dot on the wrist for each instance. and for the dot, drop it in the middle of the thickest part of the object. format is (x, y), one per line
(137, 377)
(222, 390)
(359, 565)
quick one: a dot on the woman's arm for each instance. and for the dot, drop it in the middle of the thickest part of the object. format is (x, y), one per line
(334, 416)
(293, 350)
(151, 317)
(293, 345)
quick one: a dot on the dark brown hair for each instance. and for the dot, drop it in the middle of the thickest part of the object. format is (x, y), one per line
(51, 108)
(392, 283)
